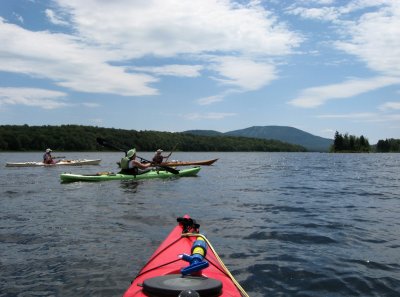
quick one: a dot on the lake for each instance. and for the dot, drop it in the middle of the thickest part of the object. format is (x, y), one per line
(285, 224)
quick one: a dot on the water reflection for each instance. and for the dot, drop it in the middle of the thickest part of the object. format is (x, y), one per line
(129, 186)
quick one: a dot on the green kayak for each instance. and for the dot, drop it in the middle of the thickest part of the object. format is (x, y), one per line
(100, 176)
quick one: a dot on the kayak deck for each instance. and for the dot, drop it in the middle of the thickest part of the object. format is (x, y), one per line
(163, 276)
(79, 162)
(189, 163)
(103, 176)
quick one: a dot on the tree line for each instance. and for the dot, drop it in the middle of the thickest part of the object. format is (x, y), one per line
(388, 145)
(83, 138)
(349, 143)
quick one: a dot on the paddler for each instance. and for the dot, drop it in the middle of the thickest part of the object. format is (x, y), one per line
(129, 164)
(47, 158)
(158, 157)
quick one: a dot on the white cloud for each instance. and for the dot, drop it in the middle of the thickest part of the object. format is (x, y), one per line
(18, 17)
(373, 36)
(217, 98)
(171, 27)
(208, 116)
(365, 117)
(172, 70)
(318, 13)
(90, 104)
(68, 62)
(390, 106)
(105, 42)
(374, 39)
(243, 73)
(53, 18)
(331, 10)
(316, 96)
(97, 121)
(42, 98)
(351, 116)
(210, 99)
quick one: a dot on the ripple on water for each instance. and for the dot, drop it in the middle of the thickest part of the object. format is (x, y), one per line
(290, 280)
(285, 224)
(293, 237)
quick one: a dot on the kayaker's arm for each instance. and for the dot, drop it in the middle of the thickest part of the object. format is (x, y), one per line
(141, 165)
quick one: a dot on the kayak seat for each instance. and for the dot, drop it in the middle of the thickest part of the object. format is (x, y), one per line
(173, 284)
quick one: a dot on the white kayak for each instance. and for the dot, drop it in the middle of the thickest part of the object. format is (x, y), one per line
(61, 162)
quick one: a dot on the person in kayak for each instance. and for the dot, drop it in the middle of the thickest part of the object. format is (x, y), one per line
(158, 157)
(129, 164)
(47, 158)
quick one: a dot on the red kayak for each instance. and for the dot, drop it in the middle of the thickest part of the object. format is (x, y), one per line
(185, 264)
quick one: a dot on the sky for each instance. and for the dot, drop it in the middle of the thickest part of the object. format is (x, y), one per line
(175, 65)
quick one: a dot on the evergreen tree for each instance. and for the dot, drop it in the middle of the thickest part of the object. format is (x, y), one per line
(350, 143)
(388, 145)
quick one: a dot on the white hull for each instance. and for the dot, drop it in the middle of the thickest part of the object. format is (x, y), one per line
(62, 162)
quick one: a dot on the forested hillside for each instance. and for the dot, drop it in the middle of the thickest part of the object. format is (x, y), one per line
(83, 138)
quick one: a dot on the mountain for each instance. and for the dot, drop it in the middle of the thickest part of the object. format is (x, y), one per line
(204, 132)
(281, 133)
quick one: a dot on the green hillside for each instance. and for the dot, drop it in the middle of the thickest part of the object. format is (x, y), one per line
(83, 138)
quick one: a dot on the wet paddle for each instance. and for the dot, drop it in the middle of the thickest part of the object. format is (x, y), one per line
(170, 153)
(105, 143)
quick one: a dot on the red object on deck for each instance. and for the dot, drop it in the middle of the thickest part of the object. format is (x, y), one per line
(165, 261)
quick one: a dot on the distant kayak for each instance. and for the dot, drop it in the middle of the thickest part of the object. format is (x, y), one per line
(189, 163)
(103, 176)
(61, 162)
(185, 261)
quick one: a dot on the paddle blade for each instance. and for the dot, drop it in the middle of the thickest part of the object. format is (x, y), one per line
(170, 169)
(105, 143)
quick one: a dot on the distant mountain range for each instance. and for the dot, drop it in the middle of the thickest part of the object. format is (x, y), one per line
(281, 133)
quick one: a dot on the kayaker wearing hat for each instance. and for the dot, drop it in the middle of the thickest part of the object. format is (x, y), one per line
(129, 164)
(47, 158)
(158, 157)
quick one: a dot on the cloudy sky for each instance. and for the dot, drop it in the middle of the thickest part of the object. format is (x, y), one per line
(175, 65)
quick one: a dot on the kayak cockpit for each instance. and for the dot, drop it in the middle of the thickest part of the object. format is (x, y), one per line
(174, 284)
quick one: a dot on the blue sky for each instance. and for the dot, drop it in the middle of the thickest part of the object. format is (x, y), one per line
(176, 65)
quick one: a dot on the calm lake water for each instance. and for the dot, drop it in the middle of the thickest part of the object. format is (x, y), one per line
(285, 224)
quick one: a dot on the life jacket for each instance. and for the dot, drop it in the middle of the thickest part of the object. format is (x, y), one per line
(125, 167)
(125, 163)
(47, 159)
(158, 159)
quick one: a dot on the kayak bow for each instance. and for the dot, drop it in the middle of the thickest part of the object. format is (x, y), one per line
(185, 261)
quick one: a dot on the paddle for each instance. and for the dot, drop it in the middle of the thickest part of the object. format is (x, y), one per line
(171, 152)
(105, 143)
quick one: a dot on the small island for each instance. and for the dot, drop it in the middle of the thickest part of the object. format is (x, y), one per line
(352, 144)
